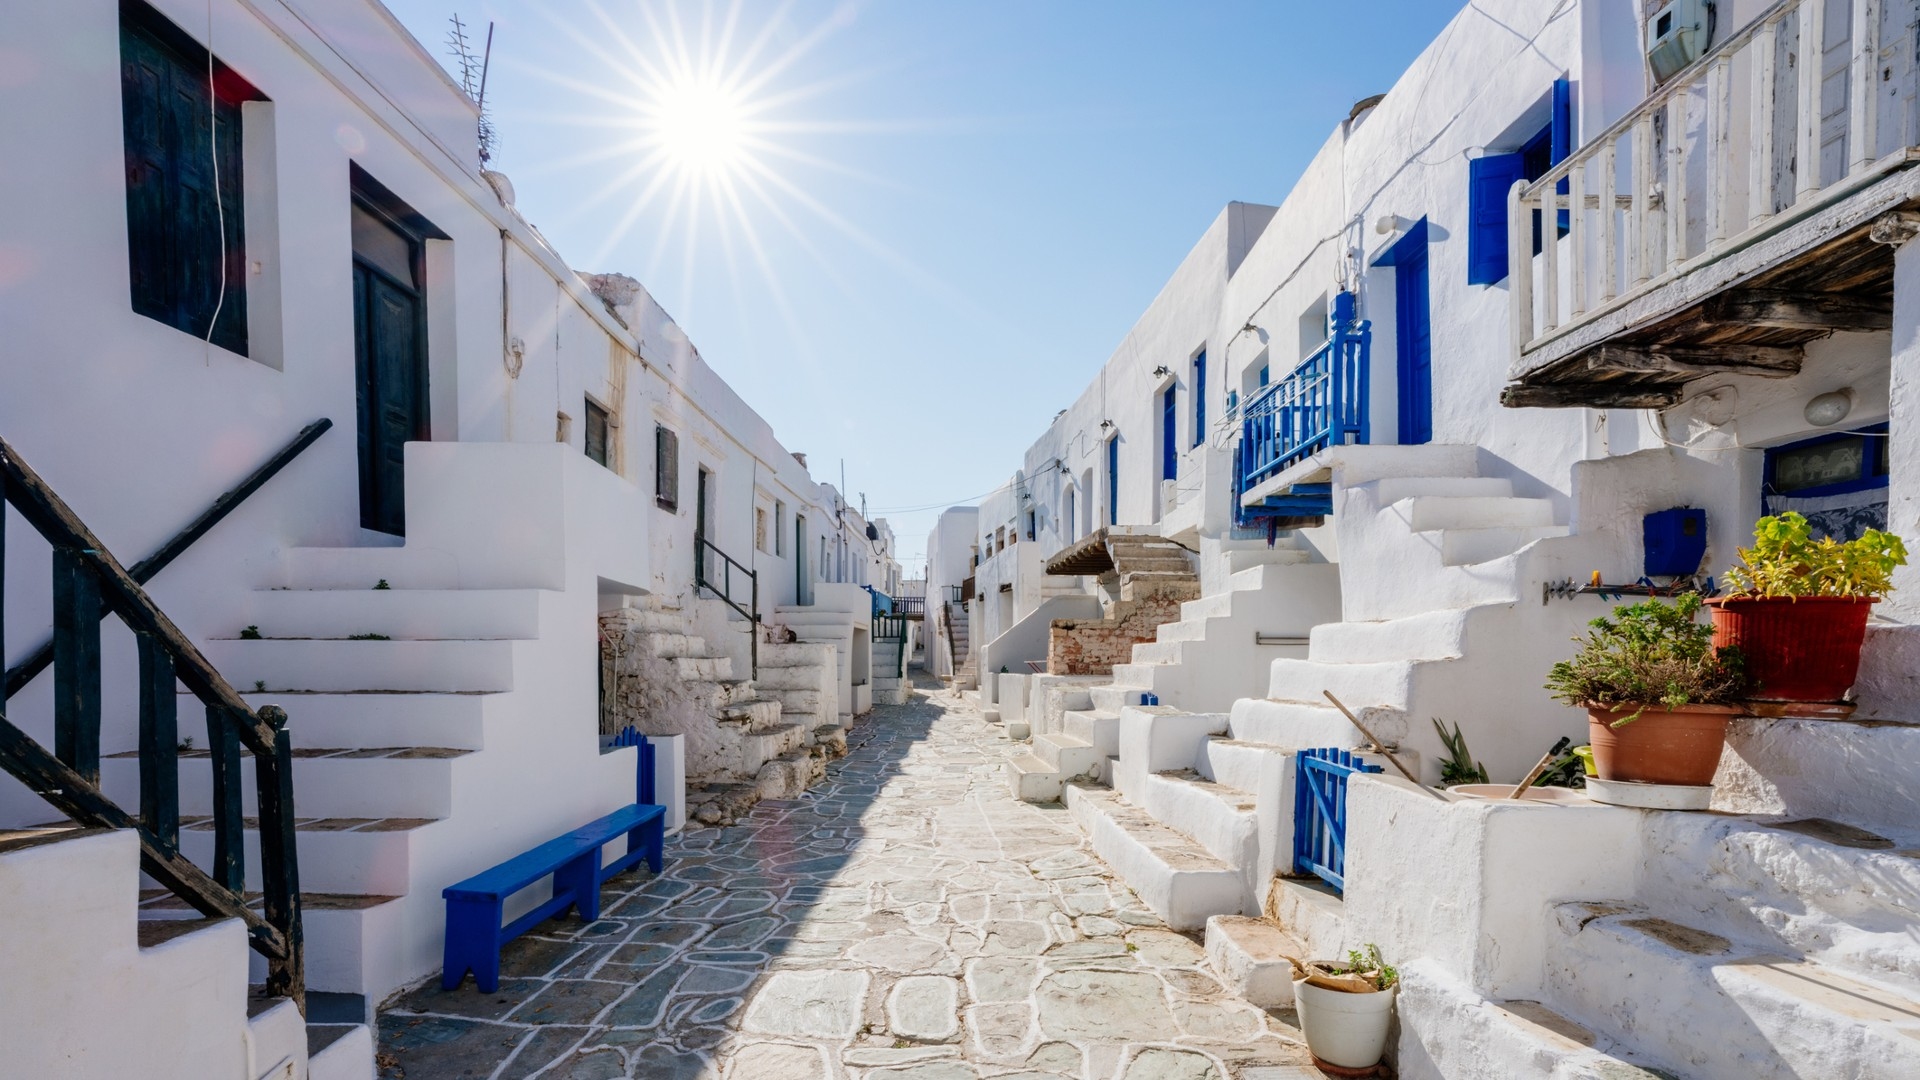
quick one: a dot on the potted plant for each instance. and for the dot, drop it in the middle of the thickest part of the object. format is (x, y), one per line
(1344, 1009)
(1798, 609)
(1658, 694)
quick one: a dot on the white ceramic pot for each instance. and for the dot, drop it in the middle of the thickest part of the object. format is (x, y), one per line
(1348, 1030)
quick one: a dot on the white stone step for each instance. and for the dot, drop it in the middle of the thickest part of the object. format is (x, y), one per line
(353, 941)
(1135, 674)
(1188, 629)
(405, 782)
(1159, 652)
(1114, 696)
(1236, 763)
(1434, 635)
(1424, 513)
(434, 666)
(798, 617)
(366, 567)
(760, 747)
(1067, 755)
(1298, 724)
(1217, 606)
(1795, 887)
(1447, 1031)
(361, 720)
(1033, 780)
(1251, 955)
(787, 678)
(1820, 768)
(1710, 1009)
(1470, 547)
(1392, 489)
(1222, 819)
(359, 856)
(421, 614)
(1183, 884)
(1385, 683)
(703, 668)
(797, 702)
(668, 645)
(349, 1056)
(756, 714)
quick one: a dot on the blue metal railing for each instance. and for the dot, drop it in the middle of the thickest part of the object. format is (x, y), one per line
(882, 603)
(1320, 813)
(1321, 403)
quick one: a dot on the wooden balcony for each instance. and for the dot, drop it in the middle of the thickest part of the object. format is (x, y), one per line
(1746, 207)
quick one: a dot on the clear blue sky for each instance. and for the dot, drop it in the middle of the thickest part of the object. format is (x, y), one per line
(960, 208)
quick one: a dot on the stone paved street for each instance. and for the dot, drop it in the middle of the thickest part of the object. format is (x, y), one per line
(906, 920)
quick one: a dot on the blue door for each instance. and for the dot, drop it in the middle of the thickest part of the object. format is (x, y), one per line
(1413, 336)
(1169, 452)
(1113, 480)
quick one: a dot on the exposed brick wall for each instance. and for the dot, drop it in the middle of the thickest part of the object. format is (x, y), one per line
(1093, 647)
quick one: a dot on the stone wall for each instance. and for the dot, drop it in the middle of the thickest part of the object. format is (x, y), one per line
(1094, 646)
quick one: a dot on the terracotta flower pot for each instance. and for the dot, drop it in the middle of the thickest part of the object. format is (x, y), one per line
(1681, 746)
(1797, 648)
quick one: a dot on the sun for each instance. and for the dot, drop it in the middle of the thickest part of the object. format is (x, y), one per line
(700, 126)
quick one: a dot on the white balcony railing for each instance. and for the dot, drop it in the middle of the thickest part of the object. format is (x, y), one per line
(1771, 124)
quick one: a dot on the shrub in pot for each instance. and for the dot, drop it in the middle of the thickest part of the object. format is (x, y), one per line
(1798, 609)
(1658, 694)
(1345, 1009)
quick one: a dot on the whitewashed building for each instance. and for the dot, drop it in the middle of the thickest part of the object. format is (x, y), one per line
(526, 470)
(1583, 262)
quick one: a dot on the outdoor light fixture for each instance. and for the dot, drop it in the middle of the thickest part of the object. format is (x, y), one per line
(1162, 371)
(1828, 409)
(1105, 424)
(1390, 224)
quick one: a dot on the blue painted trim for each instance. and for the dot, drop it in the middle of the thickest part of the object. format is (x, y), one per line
(1871, 476)
(1321, 777)
(1200, 397)
(1169, 433)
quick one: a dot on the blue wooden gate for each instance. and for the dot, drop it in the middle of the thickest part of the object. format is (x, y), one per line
(644, 767)
(1320, 813)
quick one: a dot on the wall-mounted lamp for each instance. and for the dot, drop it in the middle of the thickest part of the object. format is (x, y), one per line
(1828, 409)
(1162, 371)
(1105, 424)
(1390, 224)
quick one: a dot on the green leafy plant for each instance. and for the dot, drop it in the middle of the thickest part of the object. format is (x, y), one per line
(1458, 767)
(381, 585)
(1369, 966)
(259, 686)
(1650, 653)
(251, 633)
(368, 637)
(1786, 561)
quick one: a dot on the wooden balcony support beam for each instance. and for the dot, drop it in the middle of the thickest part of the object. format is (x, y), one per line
(1692, 361)
(1780, 309)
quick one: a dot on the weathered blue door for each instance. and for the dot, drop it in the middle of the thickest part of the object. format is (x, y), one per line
(390, 353)
(1413, 336)
(1113, 480)
(1169, 451)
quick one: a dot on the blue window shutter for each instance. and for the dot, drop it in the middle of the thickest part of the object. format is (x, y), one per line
(1562, 144)
(1169, 448)
(1200, 398)
(1488, 181)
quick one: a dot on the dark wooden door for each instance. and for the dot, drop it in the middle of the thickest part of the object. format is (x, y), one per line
(391, 365)
(1413, 337)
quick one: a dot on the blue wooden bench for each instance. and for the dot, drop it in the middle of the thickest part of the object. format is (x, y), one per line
(574, 861)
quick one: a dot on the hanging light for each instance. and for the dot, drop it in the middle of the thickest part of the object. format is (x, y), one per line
(1828, 409)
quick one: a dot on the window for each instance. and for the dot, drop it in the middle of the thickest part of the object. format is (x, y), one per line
(180, 120)
(1491, 177)
(759, 528)
(1839, 481)
(1113, 480)
(779, 527)
(1200, 397)
(597, 424)
(666, 468)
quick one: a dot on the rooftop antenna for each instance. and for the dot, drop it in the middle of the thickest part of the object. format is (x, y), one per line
(473, 80)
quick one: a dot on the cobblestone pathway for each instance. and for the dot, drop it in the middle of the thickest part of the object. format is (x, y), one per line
(907, 920)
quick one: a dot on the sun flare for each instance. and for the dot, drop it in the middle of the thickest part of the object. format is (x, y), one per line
(700, 126)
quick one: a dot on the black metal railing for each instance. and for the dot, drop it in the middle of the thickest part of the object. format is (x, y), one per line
(723, 589)
(891, 629)
(913, 607)
(89, 583)
(954, 593)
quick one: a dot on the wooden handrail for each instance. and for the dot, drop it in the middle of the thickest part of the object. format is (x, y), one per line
(88, 582)
(143, 571)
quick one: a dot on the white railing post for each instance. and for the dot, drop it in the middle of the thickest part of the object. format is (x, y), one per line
(1673, 203)
(1520, 266)
(1609, 231)
(1719, 159)
(1806, 158)
(1863, 85)
(1643, 238)
(1763, 120)
(1549, 258)
(1577, 236)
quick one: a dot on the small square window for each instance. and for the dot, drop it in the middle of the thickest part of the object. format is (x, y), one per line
(666, 468)
(597, 425)
(779, 527)
(759, 528)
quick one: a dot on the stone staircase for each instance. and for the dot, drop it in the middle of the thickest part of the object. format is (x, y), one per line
(106, 991)
(426, 746)
(964, 675)
(843, 630)
(741, 743)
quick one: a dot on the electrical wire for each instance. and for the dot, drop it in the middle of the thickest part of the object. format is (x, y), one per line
(219, 207)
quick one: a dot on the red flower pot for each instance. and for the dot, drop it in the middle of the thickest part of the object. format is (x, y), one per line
(1681, 746)
(1798, 649)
